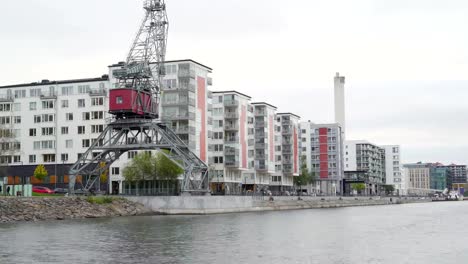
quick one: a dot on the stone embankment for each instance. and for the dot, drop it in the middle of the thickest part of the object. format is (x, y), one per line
(60, 208)
(174, 205)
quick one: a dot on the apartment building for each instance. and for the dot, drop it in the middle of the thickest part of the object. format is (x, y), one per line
(457, 173)
(364, 163)
(322, 147)
(393, 167)
(286, 152)
(418, 178)
(231, 150)
(185, 106)
(53, 123)
(264, 121)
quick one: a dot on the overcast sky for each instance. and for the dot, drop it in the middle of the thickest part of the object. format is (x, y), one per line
(405, 61)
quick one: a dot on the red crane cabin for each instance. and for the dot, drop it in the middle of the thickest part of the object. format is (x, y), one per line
(124, 102)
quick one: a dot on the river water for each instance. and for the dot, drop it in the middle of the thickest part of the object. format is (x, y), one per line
(412, 233)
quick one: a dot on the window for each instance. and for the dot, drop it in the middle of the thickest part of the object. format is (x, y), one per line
(32, 158)
(97, 115)
(67, 90)
(81, 130)
(80, 155)
(85, 143)
(81, 103)
(82, 89)
(5, 120)
(32, 132)
(97, 101)
(86, 116)
(64, 157)
(119, 100)
(48, 131)
(20, 93)
(32, 106)
(17, 119)
(17, 107)
(131, 154)
(49, 158)
(64, 130)
(5, 107)
(16, 159)
(97, 128)
(37, 145)
(116, 171)
(64, 103)
(69, 143)
(47, 144)
(47, 104)
(35, 92)
(69, 116)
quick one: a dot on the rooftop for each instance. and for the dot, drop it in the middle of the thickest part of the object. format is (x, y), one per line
(104, 77)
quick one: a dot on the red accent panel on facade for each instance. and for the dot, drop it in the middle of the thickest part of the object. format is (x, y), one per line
(243, 140)
(201, 98)
(271, 137)
(295, 146)
(323, 140)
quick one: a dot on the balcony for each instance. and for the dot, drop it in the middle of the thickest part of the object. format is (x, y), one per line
(231, 163)
(259, 124)
(261, 135)
(230, 151)
(184, 101)
(231, 140)
(287, 169)
(261, 156)
(286, 150)
(97, 92)
(185, 130)
(286, 122)
(231, 102)
(287, 162)
(48, 95)
(261, 145)
(231, 115)
(261, 113)
(287, 131)
(182, 88)
(229, 126)
(261, 167)
(185, 73)
(6, 98)
(186, 116)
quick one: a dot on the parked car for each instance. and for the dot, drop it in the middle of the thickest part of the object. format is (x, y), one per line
(40, 189)
(61, 190)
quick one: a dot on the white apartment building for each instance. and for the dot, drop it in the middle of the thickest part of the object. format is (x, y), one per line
(265, 163)
(417, 178)
(54, 122)
(394, 168)
(185, 106)
(322, 147)
(231, 149)
(286, 152)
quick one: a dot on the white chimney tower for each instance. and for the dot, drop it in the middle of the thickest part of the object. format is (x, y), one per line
(340, 101)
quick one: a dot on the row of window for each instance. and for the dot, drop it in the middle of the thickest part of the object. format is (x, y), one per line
(50, 131)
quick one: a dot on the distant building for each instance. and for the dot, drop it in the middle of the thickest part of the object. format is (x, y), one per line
(440, 178)
(457, 173)
(393, 167)
(322, 147)
(364, 163)
(418, 178)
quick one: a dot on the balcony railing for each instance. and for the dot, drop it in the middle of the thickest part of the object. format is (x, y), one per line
(231, 163)
(98, 92)
(183, 73)
(261, 145)
(48, 95)
(261, 135)
(231, 102)
(182, 88)
(187, 116)
(260, 113)
(185, 101)
(230, 140)
(6, 98)
(261, 167)
(229, 151)
(231, 115)
(259, 124)
(261, 156)
(228, 126)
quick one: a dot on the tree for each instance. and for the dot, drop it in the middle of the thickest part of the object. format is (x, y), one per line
(389, 189)
(358, 187)
(104, 172)
(305, 177)
(145, 166)
(40, 172)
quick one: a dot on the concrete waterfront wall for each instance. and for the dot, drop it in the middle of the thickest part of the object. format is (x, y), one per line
(231, 204)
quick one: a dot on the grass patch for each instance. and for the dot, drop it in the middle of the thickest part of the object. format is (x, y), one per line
(46, 194)
(99, 199)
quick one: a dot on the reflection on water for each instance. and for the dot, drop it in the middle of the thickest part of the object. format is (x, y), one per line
(414, 233)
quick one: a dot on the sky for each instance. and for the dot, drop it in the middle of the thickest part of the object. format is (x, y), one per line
(405, 61)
